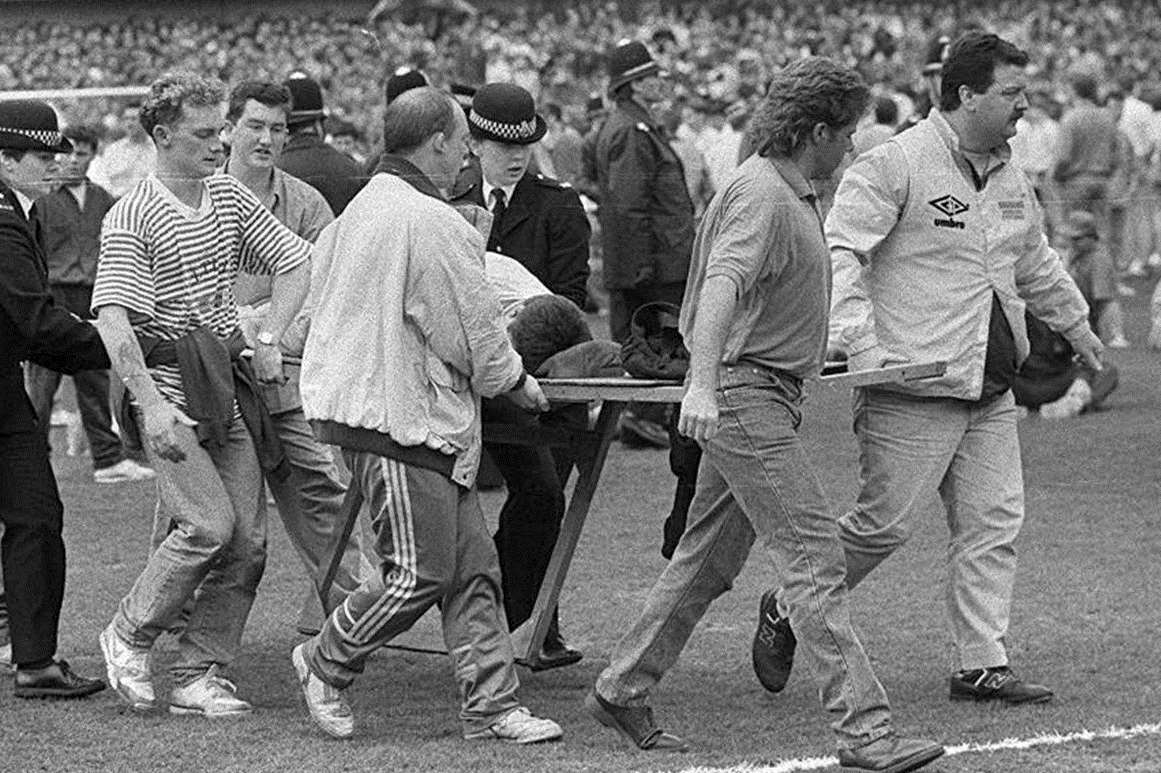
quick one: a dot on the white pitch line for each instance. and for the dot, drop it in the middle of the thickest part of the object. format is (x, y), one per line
(1046, 739)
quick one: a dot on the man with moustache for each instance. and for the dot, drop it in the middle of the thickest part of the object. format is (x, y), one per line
(937, 246)
(540, 223)
(755, 317)
(171, 250)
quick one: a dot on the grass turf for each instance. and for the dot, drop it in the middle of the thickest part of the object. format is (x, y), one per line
(1085, 621)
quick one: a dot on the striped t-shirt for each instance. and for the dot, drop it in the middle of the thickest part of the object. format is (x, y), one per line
(173, 267)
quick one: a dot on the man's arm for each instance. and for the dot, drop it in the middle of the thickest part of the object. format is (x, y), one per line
(56, 338)
(288, 293)
(867, 205)
(160, 417)
(715, 309)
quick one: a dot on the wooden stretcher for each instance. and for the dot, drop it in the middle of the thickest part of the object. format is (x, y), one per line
(591, 448)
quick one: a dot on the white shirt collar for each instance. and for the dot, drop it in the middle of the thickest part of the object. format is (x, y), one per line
(25, 203)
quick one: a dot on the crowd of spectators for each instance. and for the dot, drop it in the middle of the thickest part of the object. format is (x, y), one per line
(722, 50)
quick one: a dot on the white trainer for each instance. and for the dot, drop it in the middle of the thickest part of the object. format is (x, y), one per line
(123, 471)
(519, 726)
(6, 658)
(210, 695)
(128, 670)
(327, 705)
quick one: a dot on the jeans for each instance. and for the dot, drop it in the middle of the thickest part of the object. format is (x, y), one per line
(756, 481)
(970, 453)
(435, 549)
(309, 503)
(214, 553)
(92, 389)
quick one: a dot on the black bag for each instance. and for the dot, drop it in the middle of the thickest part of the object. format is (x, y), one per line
(654, 348)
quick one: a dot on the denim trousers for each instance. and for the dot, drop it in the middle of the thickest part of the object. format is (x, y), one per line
(434, 548)
(309, 502)
(214, 553)
(970, 453)
(755, 480)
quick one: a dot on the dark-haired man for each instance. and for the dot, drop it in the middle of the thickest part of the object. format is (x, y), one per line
(310, 498)
(401, 289)
(33, 329)
(69, 219)
(937, 245)
(755, 316)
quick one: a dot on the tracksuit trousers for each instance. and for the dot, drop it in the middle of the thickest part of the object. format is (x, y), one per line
(434, 548)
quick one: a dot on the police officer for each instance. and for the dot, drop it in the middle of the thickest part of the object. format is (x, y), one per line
(539, 222)
(337, 176)
(535, 219)
(33, 328)
(646, 214)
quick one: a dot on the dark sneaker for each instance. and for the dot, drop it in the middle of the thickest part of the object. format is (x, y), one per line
(996, 684)
(635, 723)
(774, 643)
(890, 754)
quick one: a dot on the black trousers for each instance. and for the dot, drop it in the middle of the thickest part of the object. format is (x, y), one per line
(530, 518)
(32, 551)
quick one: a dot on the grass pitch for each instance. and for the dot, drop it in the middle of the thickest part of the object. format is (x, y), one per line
(1085, 621)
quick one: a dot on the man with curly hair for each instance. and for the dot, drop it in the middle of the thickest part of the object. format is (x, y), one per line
(171, 250)
(755, 315)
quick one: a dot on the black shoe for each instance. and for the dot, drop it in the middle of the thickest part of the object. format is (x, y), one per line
(635, 723)
(554, 653)
(891, 754)
(55, 681)
(773, 648)
(996, 684)
(642, 433)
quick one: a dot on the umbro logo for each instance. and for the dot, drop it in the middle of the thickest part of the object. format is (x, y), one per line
(950, 206)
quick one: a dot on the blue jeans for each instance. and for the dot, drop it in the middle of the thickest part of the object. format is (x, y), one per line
(755, 480)
(214, 554)
(970, 453)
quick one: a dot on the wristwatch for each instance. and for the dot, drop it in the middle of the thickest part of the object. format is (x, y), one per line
(265, 338)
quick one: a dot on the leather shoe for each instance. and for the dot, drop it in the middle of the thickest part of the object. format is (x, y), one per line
(55, 681)
(554, 653)
(635, 723)
(996, 684)
(774, 642)
(890, 754)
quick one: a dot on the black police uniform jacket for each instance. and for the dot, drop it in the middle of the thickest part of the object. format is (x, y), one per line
(32, 327)
(544, 227)
(335, 175)
(646, 214)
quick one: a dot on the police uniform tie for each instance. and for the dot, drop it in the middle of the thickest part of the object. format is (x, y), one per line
(499, 206)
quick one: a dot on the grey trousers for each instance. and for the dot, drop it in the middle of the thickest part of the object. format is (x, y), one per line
(435, 549)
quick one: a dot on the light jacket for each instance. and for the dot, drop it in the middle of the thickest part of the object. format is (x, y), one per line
(405, 332)
(918, 253)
